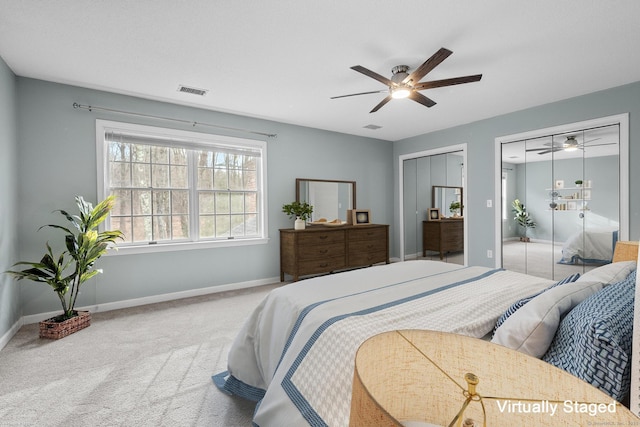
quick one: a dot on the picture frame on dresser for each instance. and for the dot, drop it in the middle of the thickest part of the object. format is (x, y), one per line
(360, 216)
(433, 214)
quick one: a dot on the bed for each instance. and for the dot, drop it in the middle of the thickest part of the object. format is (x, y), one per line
(592, 246)
(294, 355)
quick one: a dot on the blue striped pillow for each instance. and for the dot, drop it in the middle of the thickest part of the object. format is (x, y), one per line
(594, 341)
(521, 302)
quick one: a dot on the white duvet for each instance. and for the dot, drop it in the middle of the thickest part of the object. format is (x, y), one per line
(593, 246)
(295, 353)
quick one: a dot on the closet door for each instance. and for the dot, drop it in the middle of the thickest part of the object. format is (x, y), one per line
(568, 207)
(410, 209)
(570, 185)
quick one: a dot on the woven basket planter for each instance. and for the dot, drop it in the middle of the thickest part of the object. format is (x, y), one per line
(55, 330)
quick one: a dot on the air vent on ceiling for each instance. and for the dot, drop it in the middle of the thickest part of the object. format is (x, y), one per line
(192, 90)
(372, 127)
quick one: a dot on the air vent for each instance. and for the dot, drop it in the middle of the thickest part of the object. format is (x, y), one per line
(192, 90)
(372, 127)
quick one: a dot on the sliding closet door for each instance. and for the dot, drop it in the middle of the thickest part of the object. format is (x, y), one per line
(600, 192)
(569, 185)
(410, 209)
(568, 207)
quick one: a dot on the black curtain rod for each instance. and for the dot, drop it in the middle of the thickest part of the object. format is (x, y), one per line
(192, 123)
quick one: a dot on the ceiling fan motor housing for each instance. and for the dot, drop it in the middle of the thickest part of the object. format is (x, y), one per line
(399, 73)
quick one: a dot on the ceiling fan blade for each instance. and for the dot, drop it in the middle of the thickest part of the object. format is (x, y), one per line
(591, 140)
(381, 104)
(447, 82)
(361, 93)
(373, 75)
(428, 65)
(421, 99)
(598, 145)
(548, 151)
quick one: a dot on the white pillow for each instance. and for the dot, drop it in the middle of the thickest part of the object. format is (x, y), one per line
(609, 273)
(530, 330)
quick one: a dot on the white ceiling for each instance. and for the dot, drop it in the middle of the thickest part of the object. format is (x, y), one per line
(283, 59)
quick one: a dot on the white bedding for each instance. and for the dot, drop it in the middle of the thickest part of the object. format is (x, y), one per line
(593, 246)
(298, 346)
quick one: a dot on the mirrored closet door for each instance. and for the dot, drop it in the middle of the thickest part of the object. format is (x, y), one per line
(433, 182)
(561, 201)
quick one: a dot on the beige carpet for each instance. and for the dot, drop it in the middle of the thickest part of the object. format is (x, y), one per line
(142, 366)
(538, 259)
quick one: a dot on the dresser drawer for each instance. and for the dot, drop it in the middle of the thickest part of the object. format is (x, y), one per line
(321, 265)
(322, 251)
(368, 233)
(320, 238)
(367, 258)
(357, 247)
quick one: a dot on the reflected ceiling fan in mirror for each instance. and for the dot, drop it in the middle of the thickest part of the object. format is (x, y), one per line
(570, 144)
(405, 85)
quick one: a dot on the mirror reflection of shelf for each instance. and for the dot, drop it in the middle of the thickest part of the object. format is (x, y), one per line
(563, 202)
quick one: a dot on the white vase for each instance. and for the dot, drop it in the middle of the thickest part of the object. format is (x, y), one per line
(299, 224)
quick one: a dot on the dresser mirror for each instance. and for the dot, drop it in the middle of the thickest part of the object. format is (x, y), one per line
(442, 197)
(331, 199)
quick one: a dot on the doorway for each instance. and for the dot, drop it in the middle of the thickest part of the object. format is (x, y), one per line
(564, 197)
(429, 180)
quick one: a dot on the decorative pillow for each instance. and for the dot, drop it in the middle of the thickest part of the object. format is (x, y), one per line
(521, 302)
(594, 341)
(610, 273)
(531, 329)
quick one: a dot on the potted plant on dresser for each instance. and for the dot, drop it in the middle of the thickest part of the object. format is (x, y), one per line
(301, 211)
(67, 272)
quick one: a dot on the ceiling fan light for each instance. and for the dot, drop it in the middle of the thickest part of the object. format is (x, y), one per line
(570, 144)
(400, 92)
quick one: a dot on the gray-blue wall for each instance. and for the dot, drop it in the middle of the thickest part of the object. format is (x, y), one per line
(57, 160)
(480, 138)
(55, 147)
(9, 291)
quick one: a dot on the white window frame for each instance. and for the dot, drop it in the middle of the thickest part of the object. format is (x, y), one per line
(198, 139)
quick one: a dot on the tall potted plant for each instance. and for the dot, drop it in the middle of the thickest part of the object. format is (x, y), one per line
(522, 218)
(67, 272)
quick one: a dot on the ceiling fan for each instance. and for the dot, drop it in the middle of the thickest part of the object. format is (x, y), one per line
(570, 144)
(405, 85)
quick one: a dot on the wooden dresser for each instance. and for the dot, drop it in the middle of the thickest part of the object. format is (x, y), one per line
(445, 235)
(322, 249)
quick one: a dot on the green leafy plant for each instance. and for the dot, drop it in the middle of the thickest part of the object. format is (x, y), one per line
(522, 216)
(298, 210)
(84, 244)
(578, 182)
(455, 206)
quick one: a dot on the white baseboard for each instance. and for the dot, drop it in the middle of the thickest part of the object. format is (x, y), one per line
(35, 318)
(4, 340)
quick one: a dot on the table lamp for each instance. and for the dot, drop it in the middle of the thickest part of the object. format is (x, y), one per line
(425, 378)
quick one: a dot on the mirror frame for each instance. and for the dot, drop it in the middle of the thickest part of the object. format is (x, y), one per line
(433, 196)
(353, 188)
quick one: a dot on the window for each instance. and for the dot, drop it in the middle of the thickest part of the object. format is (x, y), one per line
(177, 187)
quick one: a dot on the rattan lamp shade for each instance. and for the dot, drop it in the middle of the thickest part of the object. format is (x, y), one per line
(625, 251)
(416, 378)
